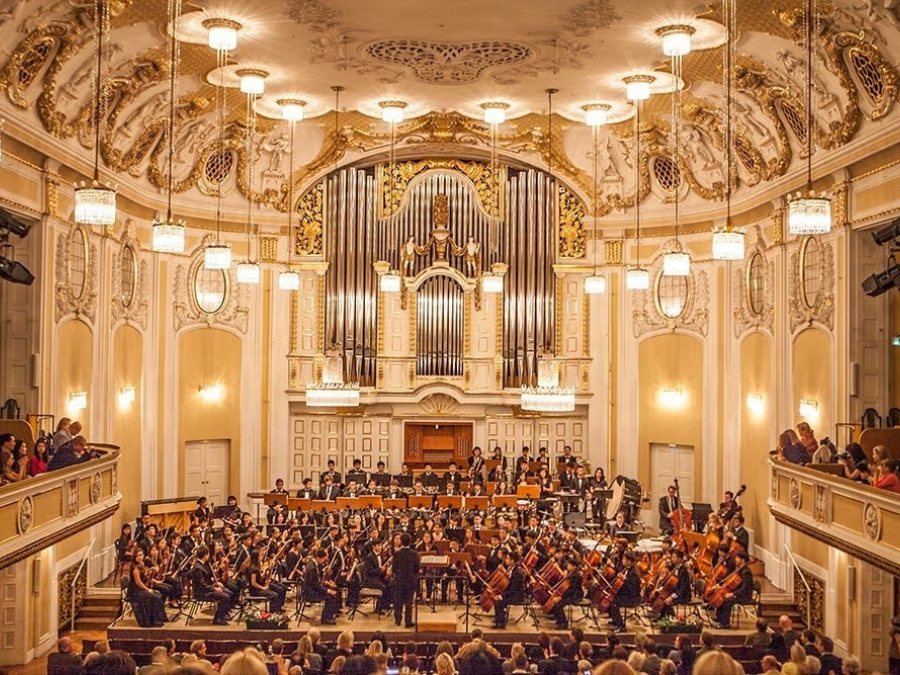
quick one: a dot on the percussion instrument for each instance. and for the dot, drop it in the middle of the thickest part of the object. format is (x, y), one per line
(614, 505)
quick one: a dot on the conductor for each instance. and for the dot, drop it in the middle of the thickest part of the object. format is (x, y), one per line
(406, 575)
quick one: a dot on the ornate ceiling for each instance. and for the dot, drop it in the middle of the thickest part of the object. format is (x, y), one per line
(445, 59)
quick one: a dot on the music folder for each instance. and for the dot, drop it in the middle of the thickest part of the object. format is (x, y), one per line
(273, 499)
(323, 505)
(450, 502)
(421, 501)
(299, 504)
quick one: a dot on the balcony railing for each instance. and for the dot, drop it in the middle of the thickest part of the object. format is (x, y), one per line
(38, 512)
(860, 520)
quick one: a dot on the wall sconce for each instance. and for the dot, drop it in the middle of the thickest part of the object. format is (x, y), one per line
(671, 398)
(809, 410)
(126, 397)
(211, 393)
(756, 404)
(77, 400)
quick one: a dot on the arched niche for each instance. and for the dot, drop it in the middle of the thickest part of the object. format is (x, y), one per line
(756, 401)
(672, 361)
(209, 356)
(127, 414)
(812, 372)
(75, 367)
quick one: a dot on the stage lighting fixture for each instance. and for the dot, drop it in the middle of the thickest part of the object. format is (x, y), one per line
(16, 272)
(887, 233)
(882, 282)
(9, 224)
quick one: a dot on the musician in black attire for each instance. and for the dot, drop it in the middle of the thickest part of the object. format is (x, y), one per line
(307, 492)
(452, 476)
(275, 509)
(207, 589)
(315, 589)
(329, 491)
(374, 575)
(335, 476)
(202, 511)
(739, 533)
(260, 586)
(667, 506)
(430, 479)
(406, 580)
(683, 592)
(573, 594)
(629, 595)
(740, 595)
(514, 593)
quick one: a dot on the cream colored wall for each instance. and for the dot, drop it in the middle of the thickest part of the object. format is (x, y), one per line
(670, 361)
(812, 368)
(75, 369)
(209, 355)
(128, 346)
(756, 433)
(893, 352)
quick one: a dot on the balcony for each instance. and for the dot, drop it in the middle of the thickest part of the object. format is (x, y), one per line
(41, 511)
(860, 520)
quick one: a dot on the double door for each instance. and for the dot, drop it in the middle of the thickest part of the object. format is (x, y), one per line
(206, 470)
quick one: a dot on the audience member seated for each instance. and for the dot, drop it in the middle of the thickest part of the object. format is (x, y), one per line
(826, 453)
(8, 472)
(63, 433)
(69, 454)
(807, 438)
(37, 463)
(889, 475)
(790, 449)
(111, 663)
(761, 637)
(64, 661)
(856, 466)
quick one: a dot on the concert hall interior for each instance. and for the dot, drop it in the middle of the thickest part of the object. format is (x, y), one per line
(574, 319)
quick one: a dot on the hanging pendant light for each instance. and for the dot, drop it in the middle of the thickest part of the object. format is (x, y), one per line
(548, 396)
(168, 235)
(676, 39)
(809, 213)
(253, 81)
(222, 34)
(95, 203)
(636, 277)
(637, 87)
(676, 262)
(292, 109)
(595, 115)
(495, 112)
(248, 271)
(217, 256)
(495, 115)
(288, 279)
(392, 113)
(727, 242)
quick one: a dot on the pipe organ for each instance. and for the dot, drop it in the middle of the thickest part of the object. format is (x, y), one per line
(523, 237)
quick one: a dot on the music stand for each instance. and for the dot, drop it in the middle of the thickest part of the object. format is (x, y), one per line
(479, 503)
(349, 503)
(528, 491)
(371, 501)
(700, 513)
(450, 502)
(270, 499)
(381, 479)
(395, 504)
(421, 502)
(323, 506)
(505, 502)
(299, 504)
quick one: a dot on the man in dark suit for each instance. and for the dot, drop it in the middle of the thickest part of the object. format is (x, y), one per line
(667, 506)
(555, 663)
(70, 454)
(452, 476)
(374, 576)
(406, 580)
(329, 490)
(682, 593)
(307, 492)
(65, 661)
(742, 594)
(316, 590)
(335, 476)
(429, 478)
(831, 664)
(739, 532)
(206, 588)
(514, 593)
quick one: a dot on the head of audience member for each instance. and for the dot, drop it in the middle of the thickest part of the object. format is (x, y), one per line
(247, 662)
(770, 664)
(785, 623)
(852, 666)
(443, 665)
(346, 639)
(75, 428)
(63, 424)
(159, 655)
(110, 663)
(716, 662)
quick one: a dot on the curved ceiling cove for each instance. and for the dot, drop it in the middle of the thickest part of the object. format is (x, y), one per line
(445, 65)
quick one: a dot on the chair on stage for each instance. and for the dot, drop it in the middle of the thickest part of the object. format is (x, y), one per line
(248, 600)
(372, 595)
(528, 610)
(742, 609)
(125, 606)
(588, 612)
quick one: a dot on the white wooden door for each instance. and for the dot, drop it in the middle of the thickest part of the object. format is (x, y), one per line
(875, 615)
(668, 462)
(206, 470)
(216, 473)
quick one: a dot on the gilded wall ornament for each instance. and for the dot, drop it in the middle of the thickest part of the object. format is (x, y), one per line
(72, 498)
(309, 232)
(25, 515)
(694, 317)
(872, 521)
(136, 309)
(795, 495)
(820, 507)
(821, 310)
(439, 404)
(753, 289)
(572, 236)
(76, 276)
(96, 488)
(268, 249)
(810, 603)
(613, 251)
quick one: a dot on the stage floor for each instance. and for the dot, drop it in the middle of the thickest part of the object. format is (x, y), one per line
(446, 621)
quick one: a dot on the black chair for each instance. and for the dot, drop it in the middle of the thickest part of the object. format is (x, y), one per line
(11, 410)
(893, 418)
(125, 606)
(871, 419)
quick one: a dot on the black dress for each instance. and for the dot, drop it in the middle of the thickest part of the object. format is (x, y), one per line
(149, 606)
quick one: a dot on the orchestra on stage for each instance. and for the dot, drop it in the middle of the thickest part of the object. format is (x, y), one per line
(485, 539)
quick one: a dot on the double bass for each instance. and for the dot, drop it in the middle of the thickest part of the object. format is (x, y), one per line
(681, 518)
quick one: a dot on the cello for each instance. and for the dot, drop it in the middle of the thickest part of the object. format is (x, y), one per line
(716, 595)
(495, 585)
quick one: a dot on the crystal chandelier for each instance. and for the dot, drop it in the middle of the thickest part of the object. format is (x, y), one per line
(222, 34)
(253, 81)
(393, 112)
(728, 243)
(95, 202)
(332, 391)
(676, 39)
(637, 279)
(595, 115)
(494, 112)
(548, 396)
(288, 279)
(676, 262)
(292, 109)
(248, 271)
(637, 87)
(809, 212)
(168, 235)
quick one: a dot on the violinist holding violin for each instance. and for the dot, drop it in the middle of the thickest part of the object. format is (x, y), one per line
(740, 583)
